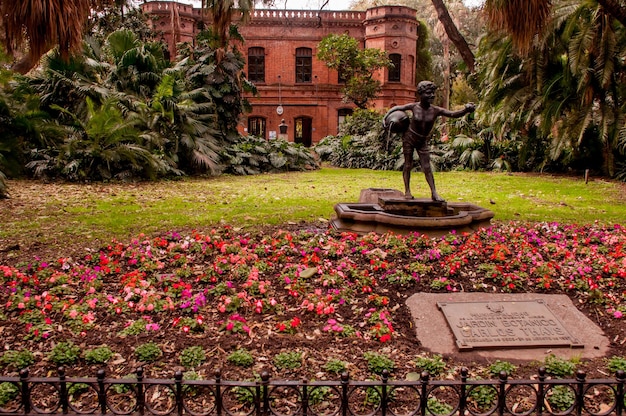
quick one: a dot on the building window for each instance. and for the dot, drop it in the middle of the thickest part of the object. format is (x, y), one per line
(342, 113)
(256, 127)
(256, 64)
(395, 70)
(341, 77)
(304, 65)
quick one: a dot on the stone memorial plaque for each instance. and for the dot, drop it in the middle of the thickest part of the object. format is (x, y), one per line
(524, 324)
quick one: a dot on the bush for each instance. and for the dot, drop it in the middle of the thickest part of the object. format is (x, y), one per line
(559, 367)
(64, 353)
(241, 358)
(434, 365)
(288, 360)
(148, 352)
(192, 356)
(362, 143)
(8, 392)
(560, 398)
(17, 359)
(496, 368)
(336, 366)
(377, 363)
(251, 155)
(98, 355)
(616, 363)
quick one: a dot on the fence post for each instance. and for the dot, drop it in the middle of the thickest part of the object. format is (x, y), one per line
(503, 376)
(102, 394)
(305, 397)
(140, 399)
(344, 393)
(218, 392)
(424, 392)
(384, 393)
(178, 380)
(541, 390)
(63, 389)
(25, 390)
(265, 380)
(580, 389)
(620, 376)
(463, 398)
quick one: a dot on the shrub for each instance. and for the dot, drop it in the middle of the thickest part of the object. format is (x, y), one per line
(560, 398)
(497, 367)
(192, 356)
(98, 355)
(362, 143)
(241, 358)
(318, 394)
(8, 392)
(434, 365)
(288, 360)
(148, 352)
(435, 407)
(559, 367)
(377, 363)
(18, 359)
(336, 366)
(64, 353)
(483, 397)
(616, 363)
(251, 155)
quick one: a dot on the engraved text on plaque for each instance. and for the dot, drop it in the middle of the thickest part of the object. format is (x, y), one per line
(524, 324)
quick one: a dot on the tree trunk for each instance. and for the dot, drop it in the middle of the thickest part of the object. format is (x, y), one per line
(25, 64)
(454, 34)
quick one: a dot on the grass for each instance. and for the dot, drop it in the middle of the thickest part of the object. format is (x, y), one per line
(57, 212)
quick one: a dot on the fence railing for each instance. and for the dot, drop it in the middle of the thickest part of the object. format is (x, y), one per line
(25, 395)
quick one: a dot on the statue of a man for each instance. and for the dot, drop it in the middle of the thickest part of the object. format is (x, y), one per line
(417, 135)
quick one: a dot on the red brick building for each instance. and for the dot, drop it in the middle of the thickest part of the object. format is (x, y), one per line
(293, 85)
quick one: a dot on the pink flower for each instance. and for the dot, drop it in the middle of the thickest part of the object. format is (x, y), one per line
(617, 314)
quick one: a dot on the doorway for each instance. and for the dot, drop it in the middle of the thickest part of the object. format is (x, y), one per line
(303, 130)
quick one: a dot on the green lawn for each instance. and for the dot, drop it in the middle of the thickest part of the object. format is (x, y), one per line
(58, 212)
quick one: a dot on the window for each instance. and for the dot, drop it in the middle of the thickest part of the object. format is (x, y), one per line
(341, 77)
(304, 64)
(256, 64)
(395, 70)
(256, 127)
(342, 113)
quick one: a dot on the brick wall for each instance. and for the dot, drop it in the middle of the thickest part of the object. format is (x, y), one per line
(314, 106)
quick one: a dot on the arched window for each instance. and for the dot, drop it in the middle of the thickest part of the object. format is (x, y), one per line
(304, 65)
(256, 64)
(395, 70)
(256, 127)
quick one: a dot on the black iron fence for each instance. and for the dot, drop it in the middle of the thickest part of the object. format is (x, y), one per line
(25, 395)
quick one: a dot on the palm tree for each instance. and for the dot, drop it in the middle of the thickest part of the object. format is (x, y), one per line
(524, 19)
(44, 24)
(222, 12)
(566, 87)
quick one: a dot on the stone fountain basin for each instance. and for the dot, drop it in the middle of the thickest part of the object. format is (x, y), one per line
(405, 216)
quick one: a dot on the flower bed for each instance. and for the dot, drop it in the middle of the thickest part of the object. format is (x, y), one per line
(321, 293)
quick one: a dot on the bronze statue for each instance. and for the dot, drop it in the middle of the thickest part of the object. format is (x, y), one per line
(417, 133)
